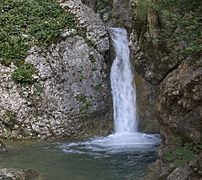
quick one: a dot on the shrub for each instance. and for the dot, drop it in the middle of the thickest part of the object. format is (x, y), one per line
(24, 23)
(183, 153)
(182, 25)
(24, 73)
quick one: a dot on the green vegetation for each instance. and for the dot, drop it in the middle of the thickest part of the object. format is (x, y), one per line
(142, 9)
(180, 22)
(24, 23)
(86, 104)
(183, 25)
(23, 74)
(184, 152)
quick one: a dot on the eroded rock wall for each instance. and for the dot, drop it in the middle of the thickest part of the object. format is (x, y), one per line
(177, 98)
(122, 13)
(146, 94)
(179, 110)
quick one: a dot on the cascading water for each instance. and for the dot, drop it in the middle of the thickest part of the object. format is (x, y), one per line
(122, 84)
(121, 155)
(125, 138)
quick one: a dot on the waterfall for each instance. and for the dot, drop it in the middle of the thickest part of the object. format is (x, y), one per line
(122, 84)
(126, 138)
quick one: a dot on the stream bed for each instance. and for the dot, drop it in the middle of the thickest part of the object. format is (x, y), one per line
(66, 161)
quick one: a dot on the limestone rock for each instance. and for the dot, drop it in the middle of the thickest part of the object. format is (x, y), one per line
(122, 12)
(70, 95)
(151, 57)
(90, 3)
(18, 174)
(95, 29)
(179, 111)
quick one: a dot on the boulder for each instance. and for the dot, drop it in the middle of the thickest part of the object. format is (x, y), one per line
(179, 102)
(18, 174)
(70, 94)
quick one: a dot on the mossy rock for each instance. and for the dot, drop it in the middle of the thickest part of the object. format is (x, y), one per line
(25, 23)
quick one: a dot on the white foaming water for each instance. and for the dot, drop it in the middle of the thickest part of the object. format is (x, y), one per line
(126, 138)
(123, 90)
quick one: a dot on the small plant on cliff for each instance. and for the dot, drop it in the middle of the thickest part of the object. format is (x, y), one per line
(142, 9)
(24, 73)
(86, 104)
(183, 153)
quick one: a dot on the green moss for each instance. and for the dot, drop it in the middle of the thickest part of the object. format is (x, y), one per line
(24, 73)
(85, 107)
(6, 62)
(24, 23)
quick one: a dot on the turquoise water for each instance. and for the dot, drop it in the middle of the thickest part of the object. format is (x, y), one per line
(55, 163)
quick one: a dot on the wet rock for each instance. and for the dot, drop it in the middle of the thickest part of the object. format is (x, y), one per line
(122, 12)
(18, 174)
(146, 91)
(146, 100)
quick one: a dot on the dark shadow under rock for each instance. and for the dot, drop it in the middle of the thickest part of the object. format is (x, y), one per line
(2, 147)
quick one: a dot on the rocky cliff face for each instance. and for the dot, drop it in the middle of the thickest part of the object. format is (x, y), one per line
(70, 93)
(146, 94)
(122, 13)
(175, 77)
(179, 113)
